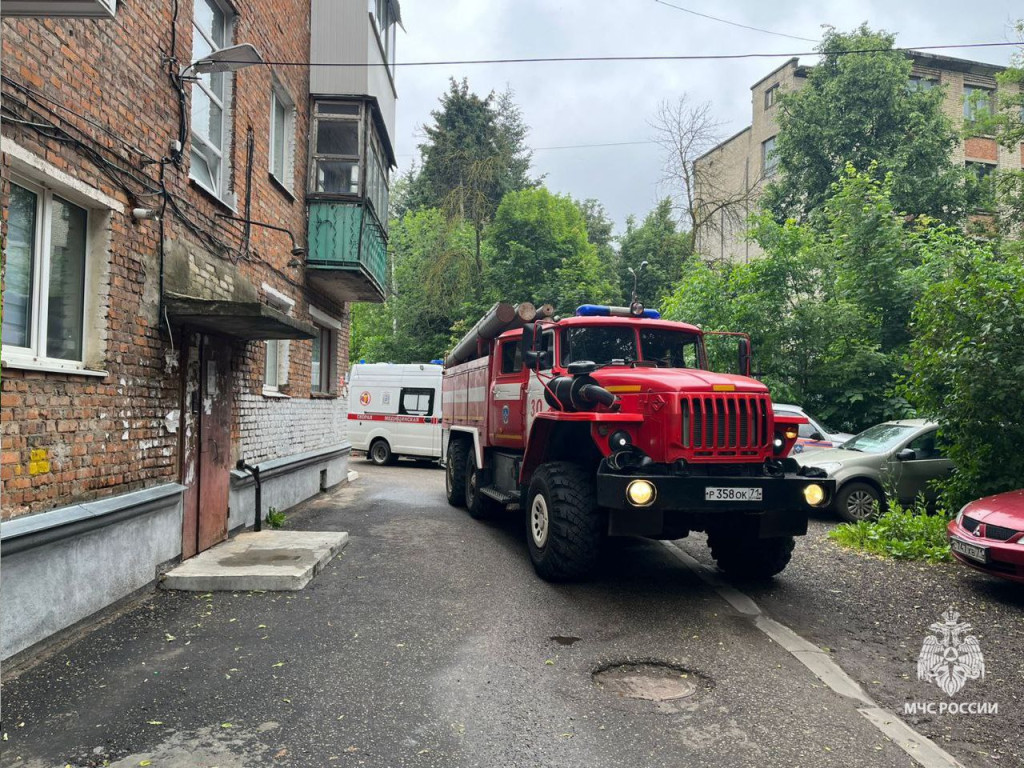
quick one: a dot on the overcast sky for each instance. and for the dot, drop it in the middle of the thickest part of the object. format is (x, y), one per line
(568, 104)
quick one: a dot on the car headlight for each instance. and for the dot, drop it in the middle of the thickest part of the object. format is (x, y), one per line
(829, 466)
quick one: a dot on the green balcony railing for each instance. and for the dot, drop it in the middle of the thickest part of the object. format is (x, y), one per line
(347, 258)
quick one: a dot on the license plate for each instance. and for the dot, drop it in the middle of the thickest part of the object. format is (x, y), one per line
(971, 551)
(732, 494)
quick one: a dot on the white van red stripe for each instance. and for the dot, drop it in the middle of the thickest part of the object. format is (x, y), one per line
(402, 419)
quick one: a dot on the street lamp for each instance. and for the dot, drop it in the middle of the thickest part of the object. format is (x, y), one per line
(226, 60)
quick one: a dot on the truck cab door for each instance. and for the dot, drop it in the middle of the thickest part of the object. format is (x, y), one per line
(505, 413)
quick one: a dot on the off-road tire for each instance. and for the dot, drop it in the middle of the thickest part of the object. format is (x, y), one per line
(750, 558)
(455, 472)
(478, 505)
(380, 453)
(854, 502)
(564, 527)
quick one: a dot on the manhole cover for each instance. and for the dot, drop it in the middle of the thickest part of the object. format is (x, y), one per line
(650, 681)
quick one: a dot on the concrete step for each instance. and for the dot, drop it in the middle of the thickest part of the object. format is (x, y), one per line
(269, 560)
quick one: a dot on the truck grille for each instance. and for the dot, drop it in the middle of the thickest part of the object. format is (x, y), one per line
(726, 425)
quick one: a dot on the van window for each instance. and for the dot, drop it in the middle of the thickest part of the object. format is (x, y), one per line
(416, 402)
(511, 357)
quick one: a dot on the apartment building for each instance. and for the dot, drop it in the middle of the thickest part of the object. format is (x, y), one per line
(739, 167)
(192, 195)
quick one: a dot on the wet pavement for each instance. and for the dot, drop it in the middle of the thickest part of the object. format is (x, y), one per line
(429, 641)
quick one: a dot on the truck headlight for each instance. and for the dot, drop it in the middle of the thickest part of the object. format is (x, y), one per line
(641, 493)
(814, 494)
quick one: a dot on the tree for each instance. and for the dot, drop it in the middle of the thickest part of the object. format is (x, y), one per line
(541, 253)
(600, 235)
(431, 291)
(710, 204)
(474, 153)
(657, 242)
(858, 108)
(965, 364)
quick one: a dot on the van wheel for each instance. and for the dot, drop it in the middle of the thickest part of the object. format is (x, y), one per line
(478, 505)
(380, 453)
(455, 472)
(564, 525)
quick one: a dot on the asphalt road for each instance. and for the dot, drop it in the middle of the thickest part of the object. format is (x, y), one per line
(430, 642)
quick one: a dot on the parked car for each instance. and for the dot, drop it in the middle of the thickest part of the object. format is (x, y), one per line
(812, 435)
(898, 456)
(988, 534)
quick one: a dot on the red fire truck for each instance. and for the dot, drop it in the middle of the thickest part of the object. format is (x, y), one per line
(610, 423)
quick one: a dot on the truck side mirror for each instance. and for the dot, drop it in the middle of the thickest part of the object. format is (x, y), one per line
(744, 356)
(531, 346)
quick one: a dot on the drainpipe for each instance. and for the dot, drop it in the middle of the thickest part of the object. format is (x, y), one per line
(241, 466)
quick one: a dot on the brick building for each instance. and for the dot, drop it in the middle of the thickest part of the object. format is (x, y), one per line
(191, 197)
(738, 168)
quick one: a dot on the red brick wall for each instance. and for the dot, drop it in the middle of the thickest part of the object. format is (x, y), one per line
(977, 148)
(68, 438)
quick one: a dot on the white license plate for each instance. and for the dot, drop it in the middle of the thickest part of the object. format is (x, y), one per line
(971, 551)
(732, 494)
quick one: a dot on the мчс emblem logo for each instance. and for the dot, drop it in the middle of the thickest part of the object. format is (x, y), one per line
(950, 657)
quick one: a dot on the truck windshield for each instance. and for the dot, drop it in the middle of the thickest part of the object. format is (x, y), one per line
(659, 347)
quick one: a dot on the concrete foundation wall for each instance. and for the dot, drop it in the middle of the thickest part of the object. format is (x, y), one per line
(285, 483)
(53, 577)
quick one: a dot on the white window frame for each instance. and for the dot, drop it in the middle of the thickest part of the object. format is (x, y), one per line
(222, 153)
(276, 376)
(333, 327)
(35, 174)
(285, 175)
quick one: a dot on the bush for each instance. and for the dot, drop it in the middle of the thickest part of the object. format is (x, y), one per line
(275, 519)
(901, 533)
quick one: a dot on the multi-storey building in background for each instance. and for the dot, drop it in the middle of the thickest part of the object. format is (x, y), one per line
(738, 168)
(192, 193)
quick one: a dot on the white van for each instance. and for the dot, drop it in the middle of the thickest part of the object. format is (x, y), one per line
(395, 410)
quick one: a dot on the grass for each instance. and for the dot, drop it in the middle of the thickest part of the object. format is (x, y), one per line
(902, 533)
(275, 519)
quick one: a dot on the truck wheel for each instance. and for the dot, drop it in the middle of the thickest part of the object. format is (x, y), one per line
(455, 472)
(751, 558)
(380, 453)
(477, 504)
(858, 501)
(564, 525)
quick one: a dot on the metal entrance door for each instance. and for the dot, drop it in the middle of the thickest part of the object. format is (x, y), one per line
(206, 436)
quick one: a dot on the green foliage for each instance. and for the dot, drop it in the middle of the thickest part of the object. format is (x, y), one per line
(966, 365)
(900, 533)
(657, 242)
(432, 289)
(828, 307)
(600, 235)
(858, 108)
(541, 253)
(276, 519)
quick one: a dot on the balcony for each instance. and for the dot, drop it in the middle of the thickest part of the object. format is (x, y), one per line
(347, 259)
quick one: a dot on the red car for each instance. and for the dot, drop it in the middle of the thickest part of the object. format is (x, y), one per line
(988, 535)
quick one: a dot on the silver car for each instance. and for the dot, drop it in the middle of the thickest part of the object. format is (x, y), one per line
(899, 457)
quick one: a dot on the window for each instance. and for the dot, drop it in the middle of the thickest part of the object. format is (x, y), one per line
(921, 83)
(277, 361)
(323, 361)
(511, 357)
(282, 137)
(211, 31)
(385, 18)
(769, 157)
(981, 186)
(416, 402)
(324, 373)
(924, 447)
(44, 293)
(978, 102)
(336, 148)
(771, 96)
(342, 132)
